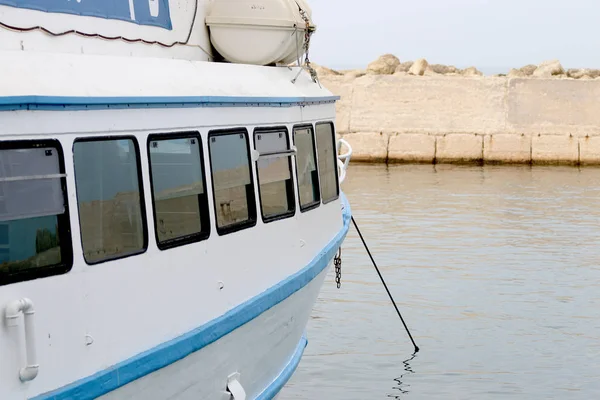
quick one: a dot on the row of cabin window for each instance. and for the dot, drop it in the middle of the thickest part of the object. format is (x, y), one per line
(35, 235)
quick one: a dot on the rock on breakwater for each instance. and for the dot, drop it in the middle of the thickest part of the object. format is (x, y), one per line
(461, 116)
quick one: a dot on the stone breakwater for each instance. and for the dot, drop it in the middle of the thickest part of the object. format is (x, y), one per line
(465, 117)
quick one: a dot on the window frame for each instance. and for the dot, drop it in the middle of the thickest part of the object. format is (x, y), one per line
(204, 209)
(140, 186)
(335, 167)
(251, 202)
(276, 129)
(316, 203)
(63, 220)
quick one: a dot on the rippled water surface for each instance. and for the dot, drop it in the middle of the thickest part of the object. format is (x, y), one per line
(496, 271)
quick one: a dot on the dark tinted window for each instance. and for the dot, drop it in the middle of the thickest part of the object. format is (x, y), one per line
(111, 207)
(306, 167)
(35, 236)
(274, 169)
(327, 156)
(178, 189)
(233, 190)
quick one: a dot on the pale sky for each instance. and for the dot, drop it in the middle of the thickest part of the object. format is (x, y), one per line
(492, 35)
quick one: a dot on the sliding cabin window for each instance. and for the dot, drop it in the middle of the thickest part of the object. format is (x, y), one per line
(327, 156)
(110, 198)
(274, 170)
(233, 189)
(35, 236)
(306, 167)
(178, 183)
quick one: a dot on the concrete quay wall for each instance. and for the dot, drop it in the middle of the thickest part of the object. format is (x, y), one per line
(448, 119)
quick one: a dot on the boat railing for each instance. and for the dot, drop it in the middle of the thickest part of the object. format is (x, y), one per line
(344, 158)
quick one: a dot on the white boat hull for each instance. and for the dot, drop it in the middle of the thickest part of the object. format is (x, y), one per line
(165, 322)
(274, 341)
(261, 339)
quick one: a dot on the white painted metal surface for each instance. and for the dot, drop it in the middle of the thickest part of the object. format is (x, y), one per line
(43, 74)
(99, 315)
(96, 317)
(258, 351)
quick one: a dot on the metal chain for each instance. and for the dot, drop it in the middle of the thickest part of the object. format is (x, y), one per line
(337, 261)
(307, 34)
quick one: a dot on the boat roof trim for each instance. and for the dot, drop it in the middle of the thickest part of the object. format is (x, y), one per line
(66, 103)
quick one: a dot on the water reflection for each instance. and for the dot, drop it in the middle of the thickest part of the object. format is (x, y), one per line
(401, 386)
(496, 271)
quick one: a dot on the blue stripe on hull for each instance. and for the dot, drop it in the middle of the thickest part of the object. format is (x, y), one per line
(169, 352)
(285, 375)
(64, 103)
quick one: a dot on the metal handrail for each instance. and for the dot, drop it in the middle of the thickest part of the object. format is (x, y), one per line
(343, 159)
(11, 314)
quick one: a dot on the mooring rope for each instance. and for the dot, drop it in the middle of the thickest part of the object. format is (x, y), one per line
(385, 285)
